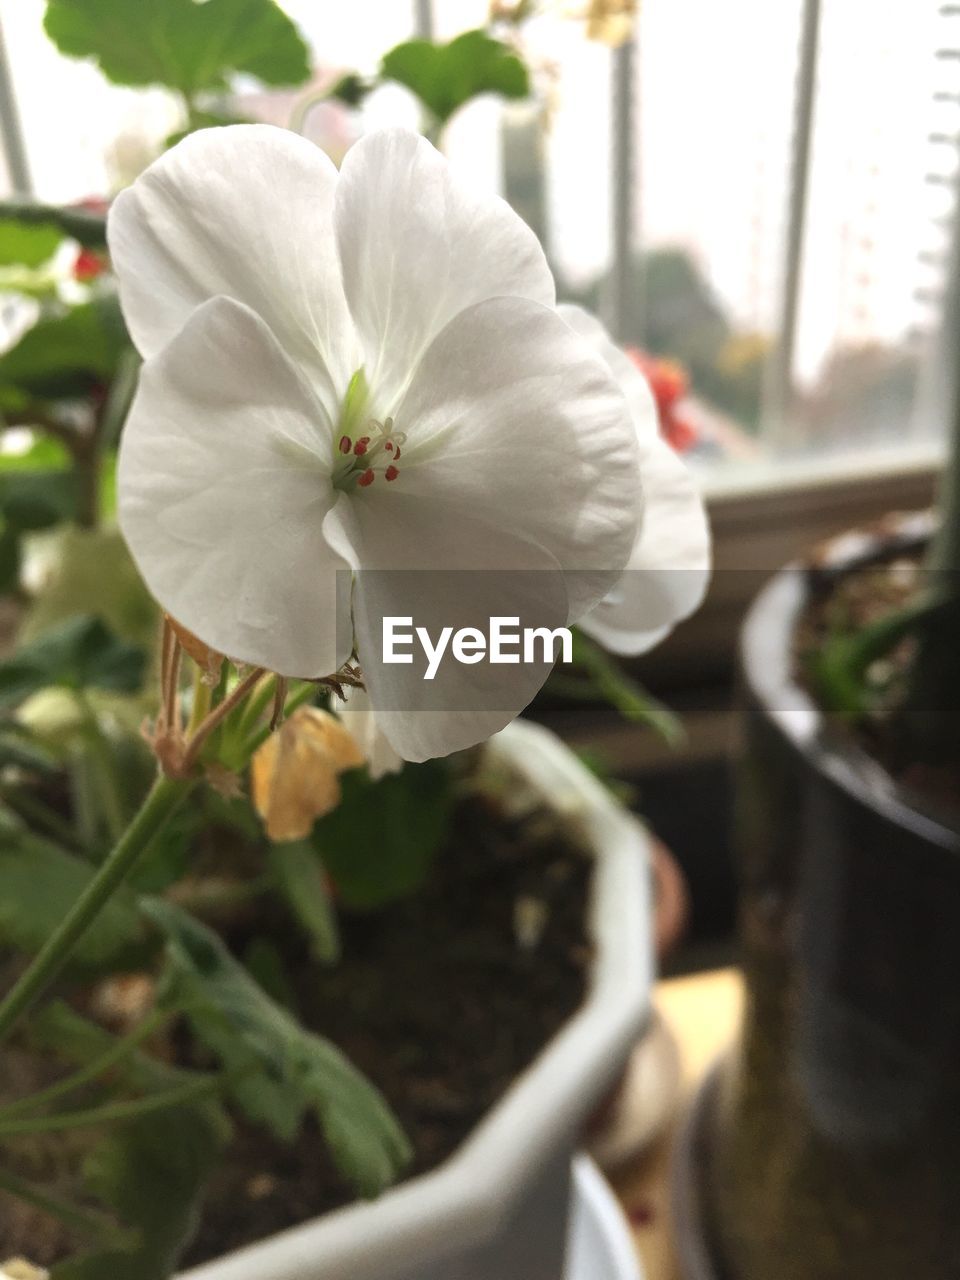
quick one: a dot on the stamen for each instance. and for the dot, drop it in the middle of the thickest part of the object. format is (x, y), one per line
(391, 473)
(345, 444)
(367, 478)
(360, 448)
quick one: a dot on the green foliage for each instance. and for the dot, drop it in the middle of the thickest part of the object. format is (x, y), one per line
(67, 355)
(301, 880)
(187, 46)
(842, 669)
(39, 882)
(19, 750)
(89, 229)
(93, 573)
(381, 841)
(446, 76)
(78, 654)
(278, 1069)
(25, 244)
(351, 89)
(600, 677)
(149, 1172)
(37, 491)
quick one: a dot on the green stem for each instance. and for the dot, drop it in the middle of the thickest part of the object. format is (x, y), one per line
(116, 1053)
(302, 696)
(112, 1112)
(165, 796)
(88, 1225)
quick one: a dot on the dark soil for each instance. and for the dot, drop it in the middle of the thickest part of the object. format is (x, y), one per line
(436, 999)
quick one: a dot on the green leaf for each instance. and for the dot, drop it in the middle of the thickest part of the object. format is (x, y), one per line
(380, 842)
(19, 750)
(93, 573)
(67, 355)
(78, 654)
(32, 500)
(27, 245)
(11, 557)
(43, 456)
(61, 1031)
(151, 1172)
(446, 76)
(279, 1067)
(301, 879)
(39, 882)
(89, 229)
(185, 45)
(351, 89)
(604, 678)
(839, 670)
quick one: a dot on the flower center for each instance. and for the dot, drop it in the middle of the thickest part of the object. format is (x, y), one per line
(368, 456)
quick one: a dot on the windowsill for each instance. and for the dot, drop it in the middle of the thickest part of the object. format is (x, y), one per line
(733, 481)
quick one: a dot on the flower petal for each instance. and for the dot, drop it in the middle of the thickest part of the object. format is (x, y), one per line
(453, 573)
(224, 482)
(245, 212)
(632, 383)
(417, 247)
(669, 569)
(513, 422)
(359, 719)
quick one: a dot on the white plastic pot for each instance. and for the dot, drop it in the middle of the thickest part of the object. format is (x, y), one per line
(498, 1208)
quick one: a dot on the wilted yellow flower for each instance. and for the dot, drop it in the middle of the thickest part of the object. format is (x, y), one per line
(295, 775)
(611, 21)
(19, 1269)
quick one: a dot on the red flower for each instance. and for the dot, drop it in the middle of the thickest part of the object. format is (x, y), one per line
(88, 265)
(669, 383)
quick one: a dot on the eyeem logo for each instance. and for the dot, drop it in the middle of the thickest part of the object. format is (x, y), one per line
(506, 642)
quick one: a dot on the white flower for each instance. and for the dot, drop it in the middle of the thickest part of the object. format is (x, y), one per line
(354, 373)
(668, 572)
(358, 717)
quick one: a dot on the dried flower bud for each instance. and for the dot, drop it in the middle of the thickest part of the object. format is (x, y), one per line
(207, 659)
(19, 1269)
(611, 21)
(295, 773)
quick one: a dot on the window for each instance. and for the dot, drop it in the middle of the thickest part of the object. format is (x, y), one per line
(761, 194)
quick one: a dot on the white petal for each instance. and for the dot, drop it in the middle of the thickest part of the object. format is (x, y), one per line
(452, 572)
(245, 212)
(512, 421)
(632, 382)
(669, 569)
(358, 717)
(417, 247)
(224, 482)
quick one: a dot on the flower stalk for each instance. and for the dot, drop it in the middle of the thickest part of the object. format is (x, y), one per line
(164, 798)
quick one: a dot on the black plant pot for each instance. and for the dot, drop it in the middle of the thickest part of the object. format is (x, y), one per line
(831, 1138)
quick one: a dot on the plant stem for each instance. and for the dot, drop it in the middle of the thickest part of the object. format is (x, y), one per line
(163, 799)
(89, 1225)
(112, 1112)
(302, 695)
(116, 1053)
